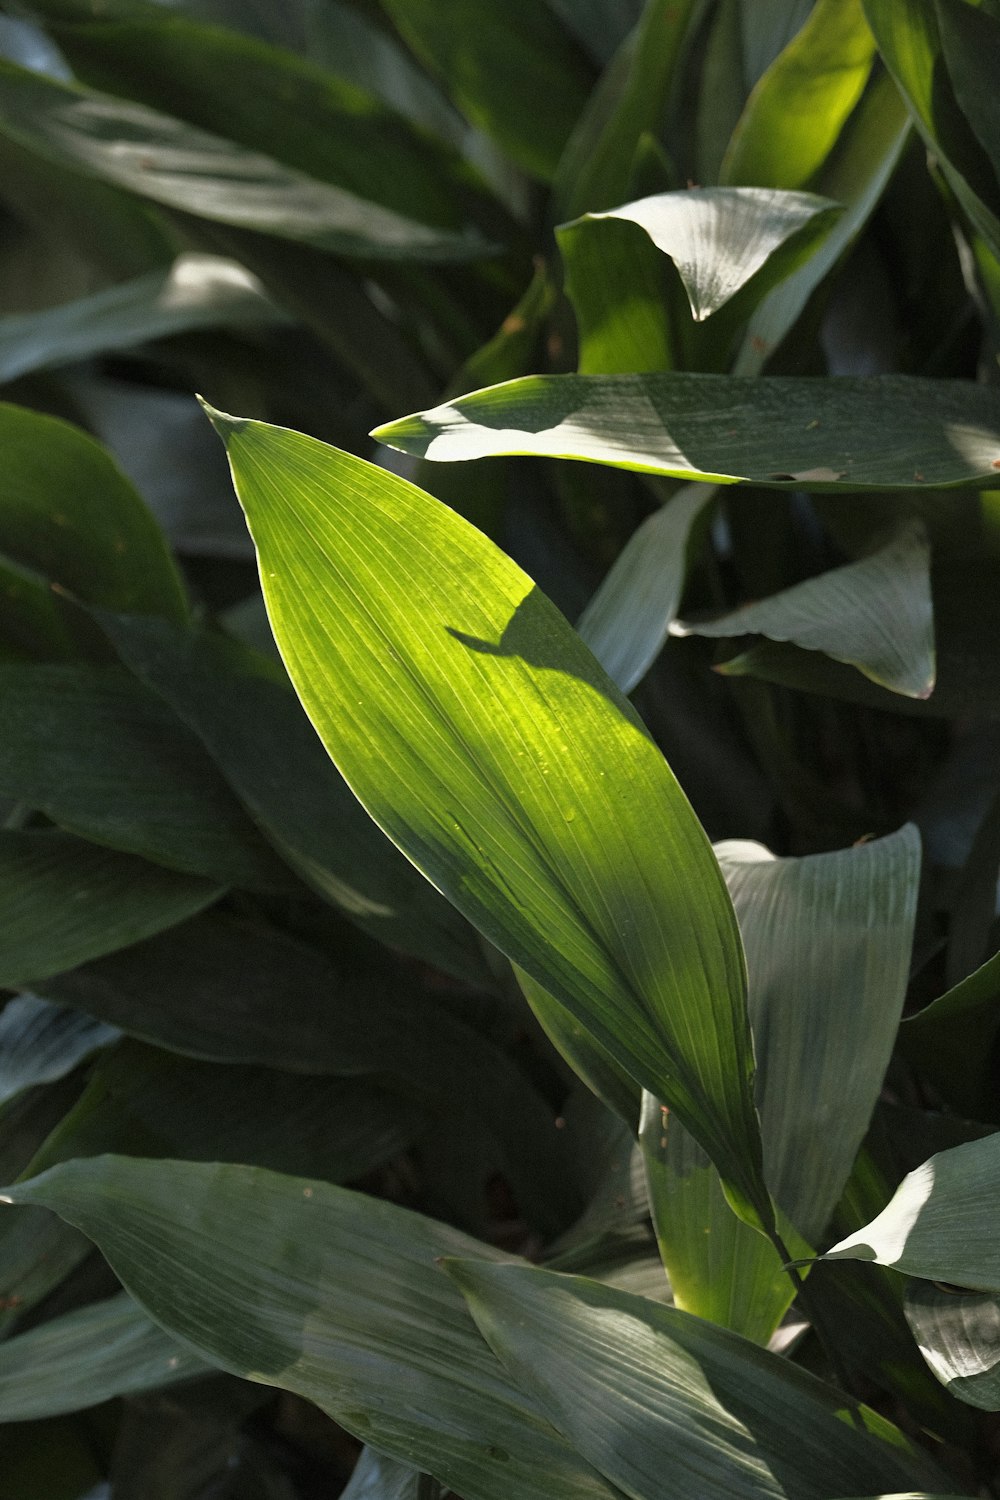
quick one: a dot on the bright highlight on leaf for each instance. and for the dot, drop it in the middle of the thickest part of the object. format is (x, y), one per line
(484, 738)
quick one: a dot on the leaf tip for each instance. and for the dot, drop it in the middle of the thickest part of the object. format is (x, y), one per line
(223, 423)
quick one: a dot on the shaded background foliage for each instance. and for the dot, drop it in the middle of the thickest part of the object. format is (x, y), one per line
(325, 216)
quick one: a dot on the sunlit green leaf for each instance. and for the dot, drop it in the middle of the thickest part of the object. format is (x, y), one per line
(330, 1294)
(959, 1337)
(941, 1223)
(797, 110)
(882, 432)
(82, 1358)
(876, 615)
(666, 1405)
(565, 840)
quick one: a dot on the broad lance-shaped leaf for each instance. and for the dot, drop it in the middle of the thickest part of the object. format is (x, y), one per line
(668, 1406)
(941, 1224)
(718, 238)
(628, 620)
(197, 291)
(68, 512)
(881, 432)
(876, 615)
(85, 1357)
(828, 940)
(959, 1336)
(330, 1294)
(486, 741)
(40, 1042)
(177, 165)
(64, 902)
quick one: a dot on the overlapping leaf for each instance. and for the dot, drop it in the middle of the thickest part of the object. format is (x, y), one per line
(40, 1042)
(330, 1294)
(883, 432)
(411, 640)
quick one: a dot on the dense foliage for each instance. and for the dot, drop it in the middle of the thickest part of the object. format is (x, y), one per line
(425, 1069)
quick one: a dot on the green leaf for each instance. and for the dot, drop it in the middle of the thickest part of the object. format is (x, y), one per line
(883, 432)
(876, 615)
(940, 1224)
(146, 1102)
(178, 165)
(959, 1337)
(85, 1357)
(197, 291)
(329, 1294)
(856, 175)
(595, 171)
(565, 839)
(794, 117)
(40, 1042)
(970, 35)
(105, 759)
(951, 1040)
(68, 512)
(240, 89)
(627, 622)
(266, 748)
(376, 1477)
(718, 238)
(665, 1405)
(514, 72)
(63, 902)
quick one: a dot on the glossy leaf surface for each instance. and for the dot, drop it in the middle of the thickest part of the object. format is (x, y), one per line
(40, 1042)
(565, 839)
(940, 1224)
(885, 432)
(959, 1336)
(327, 1293)
(664, 1404)
(876, 615)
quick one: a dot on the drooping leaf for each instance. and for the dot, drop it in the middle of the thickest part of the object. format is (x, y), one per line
(795, 114)
(959, 1337)
(883, 432)
(104, 758)
(876, 615)
(197, 291)
(718, 238)
(68, 512)
(266, 748)
(513, 72)
(40, 1042)
(64, 902)
(82, 1358)
(628, 620)
(176, 164)
(329, 1294)
(566, 839)
(666, 1405)
(941, 1223)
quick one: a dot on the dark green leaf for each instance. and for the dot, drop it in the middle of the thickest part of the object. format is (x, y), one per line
(514, 71)
(566, 840)
(951, 1040)
(182, 167)
(268, 751)
(104, 758)
(197, 291)
(68, 512)
(666, 1405)
(85, 1357)
(876, 615)
(330, 1294)
(40, 1042)
(883, 432)
(63, 902)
